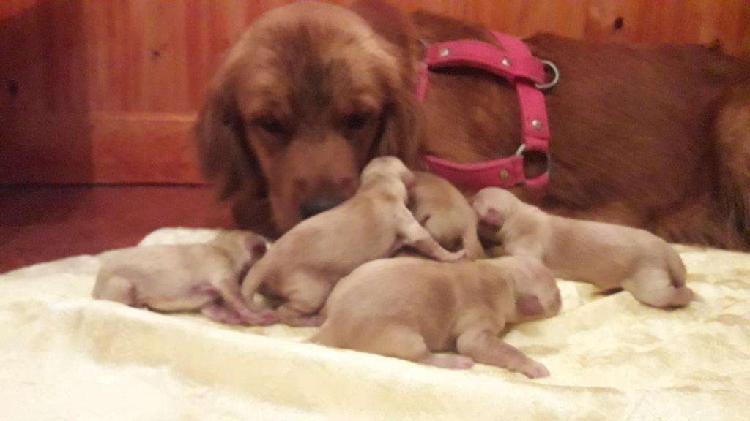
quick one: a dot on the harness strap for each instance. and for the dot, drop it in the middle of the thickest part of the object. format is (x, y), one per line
(514, 63)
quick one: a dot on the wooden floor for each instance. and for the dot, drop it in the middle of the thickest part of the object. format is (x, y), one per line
(38, 224)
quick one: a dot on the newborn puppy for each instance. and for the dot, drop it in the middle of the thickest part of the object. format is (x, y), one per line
(606, 255)
(409, 308)
(304, 264)
(186, 277)
(445, 213)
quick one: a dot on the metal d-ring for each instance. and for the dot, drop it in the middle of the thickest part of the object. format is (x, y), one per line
(522, 149)
(555, 75)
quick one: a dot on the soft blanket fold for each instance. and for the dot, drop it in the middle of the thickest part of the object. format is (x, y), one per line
(66, 356)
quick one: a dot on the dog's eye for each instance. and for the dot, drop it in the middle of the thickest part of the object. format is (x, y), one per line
(356, 121)
(270, 125)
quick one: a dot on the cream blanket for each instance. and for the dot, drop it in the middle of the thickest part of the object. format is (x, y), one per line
(64, 356)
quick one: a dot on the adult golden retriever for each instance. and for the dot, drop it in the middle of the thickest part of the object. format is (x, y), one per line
(656, 138)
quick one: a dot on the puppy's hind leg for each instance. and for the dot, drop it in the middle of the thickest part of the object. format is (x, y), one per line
(653, 287)
(472, 245)
(304, 301)
(418, 237)
(407, 344)
(453, 361)
(485, 347)
(220, 313)
(115, 288)
(229, 290)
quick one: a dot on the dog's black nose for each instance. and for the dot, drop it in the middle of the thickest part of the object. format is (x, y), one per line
(316, 206)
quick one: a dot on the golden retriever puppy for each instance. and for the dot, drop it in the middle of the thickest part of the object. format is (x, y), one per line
(446, 214)
(410, 308)
(186, 277)
(304, 264)
(606, 255)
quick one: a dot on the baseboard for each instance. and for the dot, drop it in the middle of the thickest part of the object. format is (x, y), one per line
(91, 148)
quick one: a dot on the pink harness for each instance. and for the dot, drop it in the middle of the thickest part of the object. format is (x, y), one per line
(523, 71)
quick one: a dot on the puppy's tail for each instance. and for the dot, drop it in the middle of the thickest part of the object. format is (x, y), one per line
(677, 271)
(472, 245)
(251, 283)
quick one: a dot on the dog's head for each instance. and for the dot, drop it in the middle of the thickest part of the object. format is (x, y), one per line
(305, 99)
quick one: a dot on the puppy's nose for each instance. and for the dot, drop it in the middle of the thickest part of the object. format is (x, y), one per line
(316, 206)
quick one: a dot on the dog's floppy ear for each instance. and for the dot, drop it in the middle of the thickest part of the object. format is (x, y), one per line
(400, 134)
(387, 21)
(401, 126)
(225, 156)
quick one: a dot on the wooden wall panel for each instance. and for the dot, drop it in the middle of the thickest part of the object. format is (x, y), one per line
(44, 108)
(106, 90)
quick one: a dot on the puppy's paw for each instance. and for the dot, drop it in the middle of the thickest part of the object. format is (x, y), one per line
(234, 320)
(682, 297)
(534, 370)
(305, 321)
(451, 361)
(455, 256)
(221, 314)
(264, 318)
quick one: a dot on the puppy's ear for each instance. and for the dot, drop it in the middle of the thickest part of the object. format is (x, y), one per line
(226, 158)
(529, 305)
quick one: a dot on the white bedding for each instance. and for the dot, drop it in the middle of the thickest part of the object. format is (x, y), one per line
(64, 356)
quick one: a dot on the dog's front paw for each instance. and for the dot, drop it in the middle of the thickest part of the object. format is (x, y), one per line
(264, 318)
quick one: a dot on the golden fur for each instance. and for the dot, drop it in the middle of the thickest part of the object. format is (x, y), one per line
(304, 264)
(606, 255)
(652, 137)
(445, 213)
(185, 277)
(410, 308)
